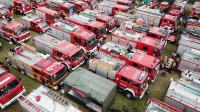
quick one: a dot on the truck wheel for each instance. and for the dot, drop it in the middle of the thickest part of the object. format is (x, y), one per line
(14, 41)
(128, 95)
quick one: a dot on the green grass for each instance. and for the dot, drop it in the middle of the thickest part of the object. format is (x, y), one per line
(156, 89)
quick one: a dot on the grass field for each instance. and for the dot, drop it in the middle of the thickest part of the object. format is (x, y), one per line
(156, 89)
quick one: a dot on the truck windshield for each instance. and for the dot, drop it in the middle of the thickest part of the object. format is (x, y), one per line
(77, 55)
(92, 42)
(20, 30)
(60, 74)
(9, 87)
(43, 25)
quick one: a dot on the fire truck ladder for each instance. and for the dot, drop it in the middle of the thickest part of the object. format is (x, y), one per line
(57, 97)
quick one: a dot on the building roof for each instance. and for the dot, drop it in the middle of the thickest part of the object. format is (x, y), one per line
(96, 87)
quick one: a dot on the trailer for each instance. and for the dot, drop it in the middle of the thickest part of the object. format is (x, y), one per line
(43, 99)
(183, 95)
(187, 42)
(133, 57)
(190, 60)
(93, 91)
(159, 106)
(65, 30)
(10, 88)
(40, 67)
(69, 54)
(122, 74)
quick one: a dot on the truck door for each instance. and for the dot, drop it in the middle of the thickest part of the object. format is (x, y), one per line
(123, 82)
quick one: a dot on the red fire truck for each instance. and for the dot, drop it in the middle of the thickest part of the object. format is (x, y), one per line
(37, 66)
(133, 57)
(37, 3)
(195, 12)
(64, 8)
(139, 41)
(111, 8)
(63, 51)
(178, 7)
(96, 14)
(131, 80)
(19, 6)
(47, 14)
(65, 30)
(10, 88)
(97, 27)
(5, 11)
(80, 5)
(35, 23)
(13, 31)
(159, 33)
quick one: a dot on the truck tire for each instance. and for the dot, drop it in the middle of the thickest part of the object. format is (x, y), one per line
(14, 41)
(128, 94)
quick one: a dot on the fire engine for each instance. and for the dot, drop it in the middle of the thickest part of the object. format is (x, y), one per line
(13, 31)
(195, 12)
(123, 2)
(37, 3)
(49, 15)
(153, 17)
(183, 95)
(159, 33)
(72, 56)
(112, 8)
(136, 58)
(130, 79)
(193, 27)
(97, 27)
(187, 42)
(35, 23)
(64, 8)
(40, 67)
(121, 17)
(190, 59)
(92, 3)
(164, 6)
(65, 30)
(139, 41)
(10, 88)
(5, 11)
(44, 99)
(19, 6)
(80, 5)
(96, 14)
(178, 7)
(157, 105)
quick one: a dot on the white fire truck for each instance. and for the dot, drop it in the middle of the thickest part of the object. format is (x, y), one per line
(65, 30)
(190, 60)
(183, 95)
(35, 23)
(13, 31)
(37, 66)
(187, 42)
(43, 99)
(71, 55)
(130, 79)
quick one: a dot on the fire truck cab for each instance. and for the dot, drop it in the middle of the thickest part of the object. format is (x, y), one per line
(195, 12)
(178, 7)
(193, 27)
(80, 5)
(139, 41)
(63, 7)
(40, 67)
(159, 33)
(96, 14)
(10, 88)
(97, 27)
(35, 23)
(63, 51)
(170, 22)
(65, 30)
(136, 58)
(5, 11)
(130, 79)
(20, 6)
(49, 15)
(112, 8)
(13, 31)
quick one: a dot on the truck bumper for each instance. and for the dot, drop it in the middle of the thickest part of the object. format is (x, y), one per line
(141, 96)
(78, 65)
(12, 100)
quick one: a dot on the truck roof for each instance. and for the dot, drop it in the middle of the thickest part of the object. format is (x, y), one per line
(107, 3)
(13, 25)
(136, 56)
(152, 42)
(47, 10)
(170, 17)
(159, 31)
(124, 7)
(67, 4)
(126, 16)
(63, 46)
(186, 40)
(31, 17)
(5, 77)
(96, 13)
(196, 5)
(191, 55)
(134, 74)
(96, 87)
(148, 10)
